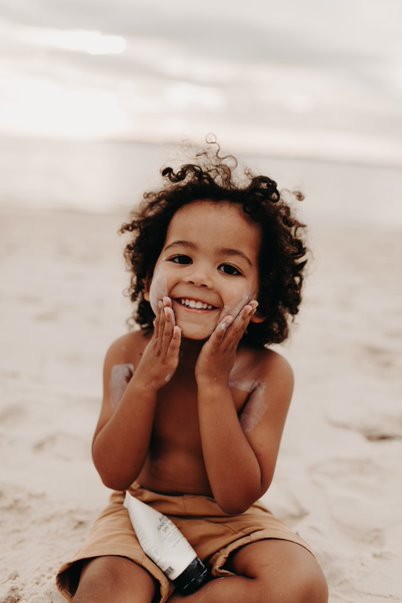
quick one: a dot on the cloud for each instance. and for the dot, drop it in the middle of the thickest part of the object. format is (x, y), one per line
(265, 65)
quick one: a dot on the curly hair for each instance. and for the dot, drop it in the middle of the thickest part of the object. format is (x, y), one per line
(282, 257)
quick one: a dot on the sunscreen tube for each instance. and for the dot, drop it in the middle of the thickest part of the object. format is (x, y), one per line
(163, 542)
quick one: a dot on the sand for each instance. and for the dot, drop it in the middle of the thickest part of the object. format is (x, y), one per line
(338, 479)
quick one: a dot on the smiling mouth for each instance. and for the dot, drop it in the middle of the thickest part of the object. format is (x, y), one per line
(192, 304)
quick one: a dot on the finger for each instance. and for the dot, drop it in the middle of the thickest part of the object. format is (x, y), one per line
(236, 310)
(246, 313)
(217, 337)
(168, 329)
(174, 345)
(156, 326)
(220, 331)
(161, 325)
(254, 304)
(167, 303)
(239, 326)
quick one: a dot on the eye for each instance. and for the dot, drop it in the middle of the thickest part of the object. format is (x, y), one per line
(180, 259)
(229, 269)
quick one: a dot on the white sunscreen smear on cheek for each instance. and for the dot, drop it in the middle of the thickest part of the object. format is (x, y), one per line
(237, 307)
(158, 289)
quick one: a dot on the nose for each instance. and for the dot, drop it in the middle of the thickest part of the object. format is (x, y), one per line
(199, 276)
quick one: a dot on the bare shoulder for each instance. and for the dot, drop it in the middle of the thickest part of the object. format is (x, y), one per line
(264, 415)
(122, 356)
(126, 349)
(274, 364)
(277, 375)
(268, 365)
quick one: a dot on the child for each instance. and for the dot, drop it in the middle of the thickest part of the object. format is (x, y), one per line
(194, 403)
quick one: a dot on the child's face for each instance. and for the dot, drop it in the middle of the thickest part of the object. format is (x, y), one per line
(208, 266)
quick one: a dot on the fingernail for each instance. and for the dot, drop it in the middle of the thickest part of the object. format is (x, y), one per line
(226, 322)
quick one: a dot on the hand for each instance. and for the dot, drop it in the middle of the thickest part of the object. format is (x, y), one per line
(218, 354)
(161, 355)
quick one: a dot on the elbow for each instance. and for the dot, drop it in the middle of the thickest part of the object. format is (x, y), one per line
(231, 509)
(235, 507)
(110, 478)
(114, 483)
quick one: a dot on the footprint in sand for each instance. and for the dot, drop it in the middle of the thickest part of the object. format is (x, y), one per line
(380, 428)
(64, 446)
(390, 429)
(46, 316)
(15, 502)
(380, 357)
(351, 489)
(12, 414)
(14, 595)
(33, 300)
(9, 374)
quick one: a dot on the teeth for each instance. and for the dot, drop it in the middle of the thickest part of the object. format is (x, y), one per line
(197, 305)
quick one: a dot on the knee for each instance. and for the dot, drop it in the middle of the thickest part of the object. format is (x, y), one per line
(94, 588)
(113, 579)
(306, 586)
(312, 587)
(98, 577)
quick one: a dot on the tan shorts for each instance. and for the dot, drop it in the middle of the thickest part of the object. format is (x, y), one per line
(212, 533)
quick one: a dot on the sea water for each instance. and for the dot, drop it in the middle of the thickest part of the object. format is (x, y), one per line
(105, 176)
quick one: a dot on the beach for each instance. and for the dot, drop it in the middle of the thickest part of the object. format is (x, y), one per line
(338, 478)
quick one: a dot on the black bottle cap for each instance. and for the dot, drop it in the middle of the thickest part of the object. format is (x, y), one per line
(194, 576)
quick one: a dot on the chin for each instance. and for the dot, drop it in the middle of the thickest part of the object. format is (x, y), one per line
(195, 334)
(195, 337)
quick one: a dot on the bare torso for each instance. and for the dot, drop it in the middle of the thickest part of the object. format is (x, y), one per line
(174, 463)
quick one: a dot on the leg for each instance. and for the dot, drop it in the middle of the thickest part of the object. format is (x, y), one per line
(282, 570)
(115, 580)
(268, 571)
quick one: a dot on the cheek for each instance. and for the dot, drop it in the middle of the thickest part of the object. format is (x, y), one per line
(158, 288)
(235, 302)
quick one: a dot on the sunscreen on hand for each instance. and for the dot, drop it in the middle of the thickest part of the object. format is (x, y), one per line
(163, 542)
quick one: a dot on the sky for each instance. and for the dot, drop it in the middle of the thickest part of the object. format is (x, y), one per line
(313, 78)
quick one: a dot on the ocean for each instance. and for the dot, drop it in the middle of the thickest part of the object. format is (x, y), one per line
(112, 176)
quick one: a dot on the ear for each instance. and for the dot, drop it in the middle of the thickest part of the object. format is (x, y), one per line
(257, 319)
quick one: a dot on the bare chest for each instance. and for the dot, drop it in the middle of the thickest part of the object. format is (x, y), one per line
(176, 421)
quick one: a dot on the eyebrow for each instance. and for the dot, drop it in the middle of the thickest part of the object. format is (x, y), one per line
(223, 250)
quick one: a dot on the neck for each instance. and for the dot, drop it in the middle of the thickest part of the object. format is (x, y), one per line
(189, 351)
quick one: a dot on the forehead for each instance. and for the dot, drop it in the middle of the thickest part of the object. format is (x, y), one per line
(220, 224)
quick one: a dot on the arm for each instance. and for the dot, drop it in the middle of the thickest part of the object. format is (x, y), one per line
(240, 455)
(122, 436)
